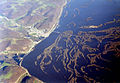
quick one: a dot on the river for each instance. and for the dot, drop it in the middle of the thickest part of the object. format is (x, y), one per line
(75, 51)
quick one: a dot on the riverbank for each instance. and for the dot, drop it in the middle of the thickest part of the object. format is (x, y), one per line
(46, 34)
(68, 55)
(23, 75)
(19, 41)
(13, 74)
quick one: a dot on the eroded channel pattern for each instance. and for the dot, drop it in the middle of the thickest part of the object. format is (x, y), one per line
(87, 48)
(83, 55)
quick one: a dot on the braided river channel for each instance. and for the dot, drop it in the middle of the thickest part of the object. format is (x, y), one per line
(84, 47)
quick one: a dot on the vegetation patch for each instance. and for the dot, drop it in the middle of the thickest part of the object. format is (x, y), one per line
(6, 76)
(4, 65)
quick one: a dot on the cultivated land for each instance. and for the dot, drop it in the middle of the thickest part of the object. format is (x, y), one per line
(23, 24)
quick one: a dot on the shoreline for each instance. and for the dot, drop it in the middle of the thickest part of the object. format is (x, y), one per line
(23, 75)
(45, 35)
(52, 29)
